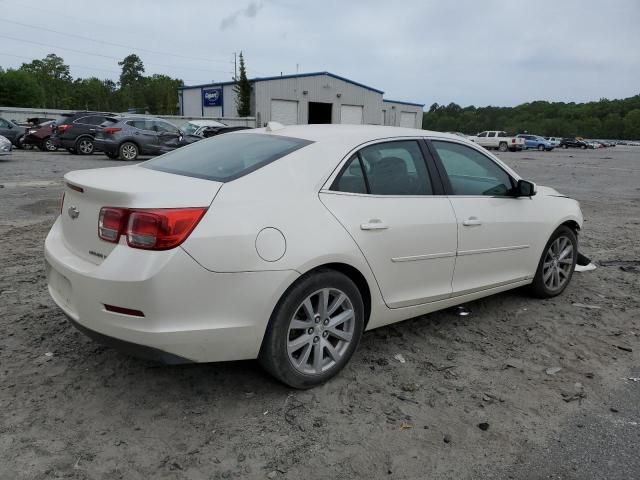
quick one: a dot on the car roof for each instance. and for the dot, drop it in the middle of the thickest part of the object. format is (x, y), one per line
(351, 134)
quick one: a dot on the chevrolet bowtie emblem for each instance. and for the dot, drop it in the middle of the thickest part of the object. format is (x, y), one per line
(73, 212)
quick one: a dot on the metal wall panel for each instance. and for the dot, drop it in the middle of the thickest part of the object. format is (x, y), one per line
(320, 88)
(394, 112)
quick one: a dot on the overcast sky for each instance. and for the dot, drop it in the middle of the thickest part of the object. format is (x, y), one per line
(465, 51)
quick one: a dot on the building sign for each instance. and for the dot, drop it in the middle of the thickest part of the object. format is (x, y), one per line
(212, 97)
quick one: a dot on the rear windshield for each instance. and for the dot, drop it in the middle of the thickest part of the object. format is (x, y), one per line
(226, 157)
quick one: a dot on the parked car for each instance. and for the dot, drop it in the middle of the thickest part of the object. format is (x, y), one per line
(499, 140)
(195, 127)
(272, 244)
(39, 135)
(128, 137)
(572, 142)
(213, 131)
(5, 146)
(76, 131)
(12, 132)
(535, 141)
(555, 141)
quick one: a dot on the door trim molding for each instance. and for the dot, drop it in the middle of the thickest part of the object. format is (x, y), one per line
(491, 250)
(431, 256)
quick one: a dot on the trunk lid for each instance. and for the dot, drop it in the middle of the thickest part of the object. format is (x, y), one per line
(87, 191)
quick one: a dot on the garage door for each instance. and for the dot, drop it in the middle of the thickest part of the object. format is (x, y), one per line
(284, 111)
(351, 114)
(408, 119)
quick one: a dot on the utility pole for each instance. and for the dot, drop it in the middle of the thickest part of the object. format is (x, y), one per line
(235, 66)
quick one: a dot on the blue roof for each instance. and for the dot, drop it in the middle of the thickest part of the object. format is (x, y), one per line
(404, 103)
(281, 77)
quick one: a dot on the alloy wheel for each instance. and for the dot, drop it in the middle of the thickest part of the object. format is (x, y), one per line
(129, 152)
(320, 331)
(558, 263)
(49, 146)
(85, 147)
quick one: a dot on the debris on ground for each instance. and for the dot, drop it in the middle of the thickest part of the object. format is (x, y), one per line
(577, 394)
(623, 348)
(399, 357)
(462, 311)
(446, 438)
(585, 268)
(405, 426)
(483, 426)
(552, 370)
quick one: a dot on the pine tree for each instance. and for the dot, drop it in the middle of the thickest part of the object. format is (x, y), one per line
(242, 90)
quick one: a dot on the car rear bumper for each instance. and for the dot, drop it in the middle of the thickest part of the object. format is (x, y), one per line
(189, 313)
(106, 146)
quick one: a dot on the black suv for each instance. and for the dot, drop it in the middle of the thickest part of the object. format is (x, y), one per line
(573, 143)
(76, 131)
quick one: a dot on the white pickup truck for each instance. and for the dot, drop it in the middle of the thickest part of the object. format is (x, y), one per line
(499, 140)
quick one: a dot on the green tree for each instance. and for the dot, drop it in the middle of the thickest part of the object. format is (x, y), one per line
(242, 90)
(93, 94)
(632, 125)
(161, 94)
(20, 89)
(54, 78)
(131, 82)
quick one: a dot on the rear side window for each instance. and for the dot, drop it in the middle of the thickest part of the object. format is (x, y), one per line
(390, 168)
(226, 157)
(139, 124)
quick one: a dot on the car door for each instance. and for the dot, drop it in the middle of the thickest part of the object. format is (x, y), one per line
(6, 130)
(145, 135)
(499, 235)
(481, 139)
(389, 198)
(169, 137)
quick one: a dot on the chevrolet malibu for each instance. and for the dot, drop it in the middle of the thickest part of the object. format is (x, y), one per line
(286, 243)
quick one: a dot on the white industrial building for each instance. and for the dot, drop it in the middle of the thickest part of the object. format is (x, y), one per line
(319, 97)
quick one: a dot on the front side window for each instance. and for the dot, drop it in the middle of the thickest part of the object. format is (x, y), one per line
(4, 123)
(163, 127)
(390, 168)
(226, 157)
(472, 173)
(483, 134)
(491, 134)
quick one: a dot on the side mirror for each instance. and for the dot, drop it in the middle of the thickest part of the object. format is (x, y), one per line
(525, 189)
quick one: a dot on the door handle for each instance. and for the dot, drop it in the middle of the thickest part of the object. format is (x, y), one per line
(374, 224)
(471, 222)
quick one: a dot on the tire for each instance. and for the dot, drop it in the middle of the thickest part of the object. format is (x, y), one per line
(72, 151)
(541, 148)
(547, 283)
(48, 146)
(564, 146)
(297, 330)
(583, 147)
(128, 151)
(84, 146)
(112, 156)
(503, 147)
(20, 143)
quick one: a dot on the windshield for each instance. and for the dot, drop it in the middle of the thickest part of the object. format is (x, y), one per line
(226, 157)
(189, 128)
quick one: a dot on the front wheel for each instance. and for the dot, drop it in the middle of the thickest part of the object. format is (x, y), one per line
(564, 146)
(541, 148)
(314, 330)
(48, 146)
(557, 263)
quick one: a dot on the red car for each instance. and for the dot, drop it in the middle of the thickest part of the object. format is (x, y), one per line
(39, 135)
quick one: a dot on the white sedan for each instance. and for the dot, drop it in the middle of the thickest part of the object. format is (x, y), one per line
(286, 243)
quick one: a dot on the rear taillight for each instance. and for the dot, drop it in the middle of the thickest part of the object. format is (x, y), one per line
(513, 140)
(64, 127)
(110, 130)
(148, 229)
(110, 223)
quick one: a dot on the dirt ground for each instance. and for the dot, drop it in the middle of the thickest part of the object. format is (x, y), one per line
(472, 400)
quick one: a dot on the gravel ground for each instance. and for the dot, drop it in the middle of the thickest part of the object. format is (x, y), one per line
(473, 399)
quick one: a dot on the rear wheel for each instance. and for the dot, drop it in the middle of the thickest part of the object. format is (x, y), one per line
(129, 151)
(583, 147)
(557, 263)
(564, 146)
(503, 146)
(314, 330)
(48, 146)
(541, 148)
(84, 145)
